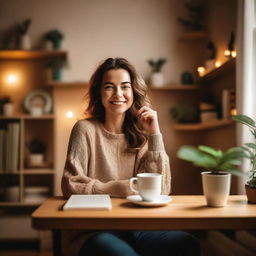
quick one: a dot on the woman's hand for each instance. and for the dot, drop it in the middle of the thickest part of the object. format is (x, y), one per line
(148, 119)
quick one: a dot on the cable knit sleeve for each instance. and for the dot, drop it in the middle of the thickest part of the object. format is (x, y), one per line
(153, 158)
(75, 179)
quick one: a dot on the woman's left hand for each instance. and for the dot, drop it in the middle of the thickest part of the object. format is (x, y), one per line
(148, 119)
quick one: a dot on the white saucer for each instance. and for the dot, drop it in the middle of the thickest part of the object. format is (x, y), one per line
(162, 200)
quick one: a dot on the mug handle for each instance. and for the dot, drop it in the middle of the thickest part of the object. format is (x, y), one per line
(131, 184)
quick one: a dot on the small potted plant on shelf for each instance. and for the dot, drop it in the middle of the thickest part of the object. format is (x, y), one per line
(156, 78)
(37, 150)
(250, 153)
(22, 29)
(55, 37)
(219, 165)
(6, 106)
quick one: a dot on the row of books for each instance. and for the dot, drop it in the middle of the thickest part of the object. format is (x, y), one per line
(9, 148)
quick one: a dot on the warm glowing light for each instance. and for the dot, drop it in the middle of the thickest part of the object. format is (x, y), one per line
(217, 64)
(233, 54)
(12, 79)
(69, 114)
(227, 53)
(233, 112)
(201, 71)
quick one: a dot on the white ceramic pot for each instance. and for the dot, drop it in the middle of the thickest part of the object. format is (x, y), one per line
(25, 43)
(216, 188)
(157, 79)
(36, 160)
(36, 111)
(8, 109)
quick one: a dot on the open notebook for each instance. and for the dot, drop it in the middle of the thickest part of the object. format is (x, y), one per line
(93, 202)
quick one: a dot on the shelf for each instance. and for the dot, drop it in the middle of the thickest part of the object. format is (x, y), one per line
(78, 84)
(191, 35)
(217, 72)
(28, 55)
(27, 116)
(18, 204)
(203, 126)
(9, 173)
(33, 171)
(177, 87)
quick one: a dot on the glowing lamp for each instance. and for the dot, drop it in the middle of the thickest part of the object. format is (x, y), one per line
(12, 79)
(69, 114)
(217, 64)
(201, 71)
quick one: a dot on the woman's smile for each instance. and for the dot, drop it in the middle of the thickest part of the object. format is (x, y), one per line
(116, 91)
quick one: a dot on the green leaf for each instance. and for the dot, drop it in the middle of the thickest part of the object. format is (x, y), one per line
(244, 120)
(251, 145)
(236, 172)
(211, 151)
(197, 157)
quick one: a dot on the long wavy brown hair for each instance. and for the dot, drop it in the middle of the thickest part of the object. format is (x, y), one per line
(133, 132)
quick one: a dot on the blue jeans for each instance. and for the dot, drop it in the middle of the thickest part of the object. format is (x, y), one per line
(144, 243)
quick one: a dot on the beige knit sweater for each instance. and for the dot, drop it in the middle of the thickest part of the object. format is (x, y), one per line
(98, 163)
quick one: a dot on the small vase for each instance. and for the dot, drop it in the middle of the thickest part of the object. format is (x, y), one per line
(157, 79)
(36, 111)
(25, 43)
(36, 160)
(8, 109)
(216, 188)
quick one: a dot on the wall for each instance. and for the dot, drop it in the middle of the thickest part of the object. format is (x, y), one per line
(135, 29)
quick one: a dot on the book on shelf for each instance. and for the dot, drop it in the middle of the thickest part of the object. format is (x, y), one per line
(9, 148)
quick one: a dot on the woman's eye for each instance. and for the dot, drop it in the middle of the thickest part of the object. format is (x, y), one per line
(109, 87)
(126, 86)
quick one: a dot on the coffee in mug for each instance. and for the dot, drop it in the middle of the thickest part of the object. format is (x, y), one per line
(149, 185)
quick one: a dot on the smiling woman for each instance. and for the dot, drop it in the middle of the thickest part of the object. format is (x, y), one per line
(121, 139)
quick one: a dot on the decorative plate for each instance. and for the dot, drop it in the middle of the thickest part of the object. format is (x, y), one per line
(38, 99)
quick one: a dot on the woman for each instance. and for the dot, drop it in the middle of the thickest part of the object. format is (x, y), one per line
(122, 138)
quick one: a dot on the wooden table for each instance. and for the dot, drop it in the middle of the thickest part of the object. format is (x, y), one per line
(183, 213)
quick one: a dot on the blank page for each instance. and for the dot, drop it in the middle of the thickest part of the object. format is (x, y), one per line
(93, 202)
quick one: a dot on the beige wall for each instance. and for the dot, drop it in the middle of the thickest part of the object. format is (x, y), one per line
(137, 30)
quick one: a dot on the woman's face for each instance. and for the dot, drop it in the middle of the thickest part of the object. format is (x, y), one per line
(116, 91)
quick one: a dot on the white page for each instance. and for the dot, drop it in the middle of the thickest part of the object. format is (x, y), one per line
(93, 202)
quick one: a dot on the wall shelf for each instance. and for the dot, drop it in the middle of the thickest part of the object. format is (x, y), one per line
(59, 84)
(33, 171)
(203, 126)
(175, 87)
(27, 117)
(191, 35)
(217, 72)
(26, 55)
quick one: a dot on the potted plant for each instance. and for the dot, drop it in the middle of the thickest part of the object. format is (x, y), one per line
(37, 149)
(219, 165)
(6, 106)
(156, 78)
(250, 153)
(55, 67)
(55, 37)
(22, 28)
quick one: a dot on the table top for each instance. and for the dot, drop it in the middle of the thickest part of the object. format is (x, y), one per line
(183, 212)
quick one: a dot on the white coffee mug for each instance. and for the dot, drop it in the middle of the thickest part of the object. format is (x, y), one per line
(149, 185)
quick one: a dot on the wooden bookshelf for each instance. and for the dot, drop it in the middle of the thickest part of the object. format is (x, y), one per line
(26, 55)
(37, 171)
(217, 72)
(203, 126)
(175, 87)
